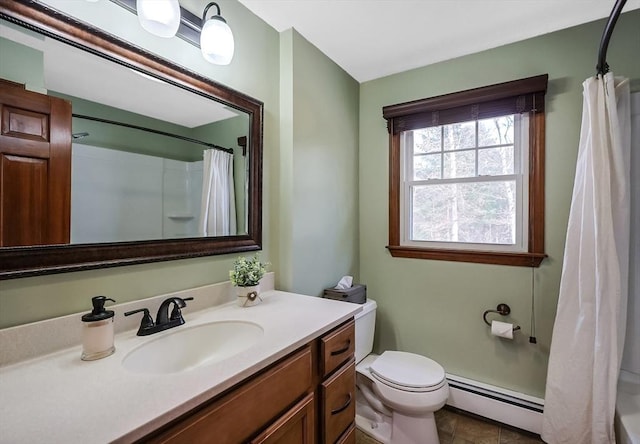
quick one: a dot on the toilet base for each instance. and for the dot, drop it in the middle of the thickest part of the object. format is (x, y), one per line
(370, 421)
(399, 429)
(378, 430)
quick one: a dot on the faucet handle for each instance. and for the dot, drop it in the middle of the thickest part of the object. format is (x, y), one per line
(181, 301)
(176, 313)
(146, 323)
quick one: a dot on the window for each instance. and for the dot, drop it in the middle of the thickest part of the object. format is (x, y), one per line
(467, 175)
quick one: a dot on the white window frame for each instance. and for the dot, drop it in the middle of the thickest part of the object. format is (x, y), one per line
(521, 177)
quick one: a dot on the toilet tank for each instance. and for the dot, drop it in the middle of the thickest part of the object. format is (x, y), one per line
(365, 327)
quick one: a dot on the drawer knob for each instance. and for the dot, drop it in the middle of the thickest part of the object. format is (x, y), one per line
(342, 350)
(343, 407)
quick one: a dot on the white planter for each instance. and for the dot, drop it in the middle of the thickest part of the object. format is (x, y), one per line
(248, 296)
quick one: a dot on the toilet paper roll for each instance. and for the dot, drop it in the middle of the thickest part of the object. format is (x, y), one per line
(502, 329)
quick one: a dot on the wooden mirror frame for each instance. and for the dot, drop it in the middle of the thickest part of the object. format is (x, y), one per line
(18, 262)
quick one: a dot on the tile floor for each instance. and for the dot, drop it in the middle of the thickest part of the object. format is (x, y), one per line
(456, 427)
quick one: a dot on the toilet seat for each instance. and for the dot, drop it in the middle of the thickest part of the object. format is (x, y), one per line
(408, 372)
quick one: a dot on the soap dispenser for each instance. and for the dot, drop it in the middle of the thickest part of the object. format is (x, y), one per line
(97, 331)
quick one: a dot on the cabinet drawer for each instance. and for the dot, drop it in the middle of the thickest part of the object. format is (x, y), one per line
(294, 427)
(337, 347)
(338, 403)
(237, 416)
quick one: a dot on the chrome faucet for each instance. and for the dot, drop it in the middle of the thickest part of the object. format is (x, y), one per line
(164, 321)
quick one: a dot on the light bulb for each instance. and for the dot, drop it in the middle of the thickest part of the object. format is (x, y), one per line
(216, 41)
(159, 17)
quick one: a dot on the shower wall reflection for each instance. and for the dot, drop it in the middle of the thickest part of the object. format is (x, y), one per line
(120, 196)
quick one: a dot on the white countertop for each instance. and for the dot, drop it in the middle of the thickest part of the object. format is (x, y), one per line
(59, 398)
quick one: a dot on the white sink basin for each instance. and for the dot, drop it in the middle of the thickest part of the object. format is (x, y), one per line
(189, 347)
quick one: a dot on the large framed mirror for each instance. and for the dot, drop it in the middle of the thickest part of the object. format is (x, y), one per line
(146, 139)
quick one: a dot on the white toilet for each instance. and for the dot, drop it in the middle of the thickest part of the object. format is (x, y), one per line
(397, 392)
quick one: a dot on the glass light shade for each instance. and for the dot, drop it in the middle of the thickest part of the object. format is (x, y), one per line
(159, 17)
(216, 41)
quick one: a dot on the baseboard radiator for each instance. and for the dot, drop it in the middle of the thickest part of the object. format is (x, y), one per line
(502, 405)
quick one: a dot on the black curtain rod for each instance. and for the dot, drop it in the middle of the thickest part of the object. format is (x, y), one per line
(602, 65)
(149, 130)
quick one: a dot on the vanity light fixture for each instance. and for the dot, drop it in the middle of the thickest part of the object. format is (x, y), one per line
(159, 17)
(216, 38)
(213, 35)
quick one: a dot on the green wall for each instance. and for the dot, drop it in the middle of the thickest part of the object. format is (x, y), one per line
(320, 191)
(435, 307)
(22, 64)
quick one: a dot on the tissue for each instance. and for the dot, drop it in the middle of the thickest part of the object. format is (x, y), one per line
(344, 283)
(502, 329)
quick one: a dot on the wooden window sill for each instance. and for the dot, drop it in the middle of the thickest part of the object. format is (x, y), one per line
(479, 257)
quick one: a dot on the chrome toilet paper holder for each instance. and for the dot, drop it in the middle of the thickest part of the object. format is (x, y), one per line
(501, 309)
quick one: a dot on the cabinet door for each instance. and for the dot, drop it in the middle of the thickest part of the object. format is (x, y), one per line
(338, 403)
(35, 168)
(294, 427)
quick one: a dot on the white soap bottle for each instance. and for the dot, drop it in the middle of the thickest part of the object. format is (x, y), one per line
(97, 331)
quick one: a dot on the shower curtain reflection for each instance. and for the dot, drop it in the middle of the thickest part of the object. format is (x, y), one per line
(218, 208)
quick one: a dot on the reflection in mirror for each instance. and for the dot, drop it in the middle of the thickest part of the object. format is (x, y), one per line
(137, 162)
(135, 159)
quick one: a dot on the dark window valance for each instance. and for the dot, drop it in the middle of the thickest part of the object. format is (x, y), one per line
(515, 97)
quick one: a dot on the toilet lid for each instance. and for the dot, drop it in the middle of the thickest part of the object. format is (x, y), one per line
(407, 370)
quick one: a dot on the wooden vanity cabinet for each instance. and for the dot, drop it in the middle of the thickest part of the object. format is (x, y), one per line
(307, 397)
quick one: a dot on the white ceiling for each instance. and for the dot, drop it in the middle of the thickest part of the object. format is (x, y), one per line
(375, 38)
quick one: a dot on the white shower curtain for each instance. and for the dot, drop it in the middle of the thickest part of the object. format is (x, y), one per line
(218, 209)
(588, 335)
